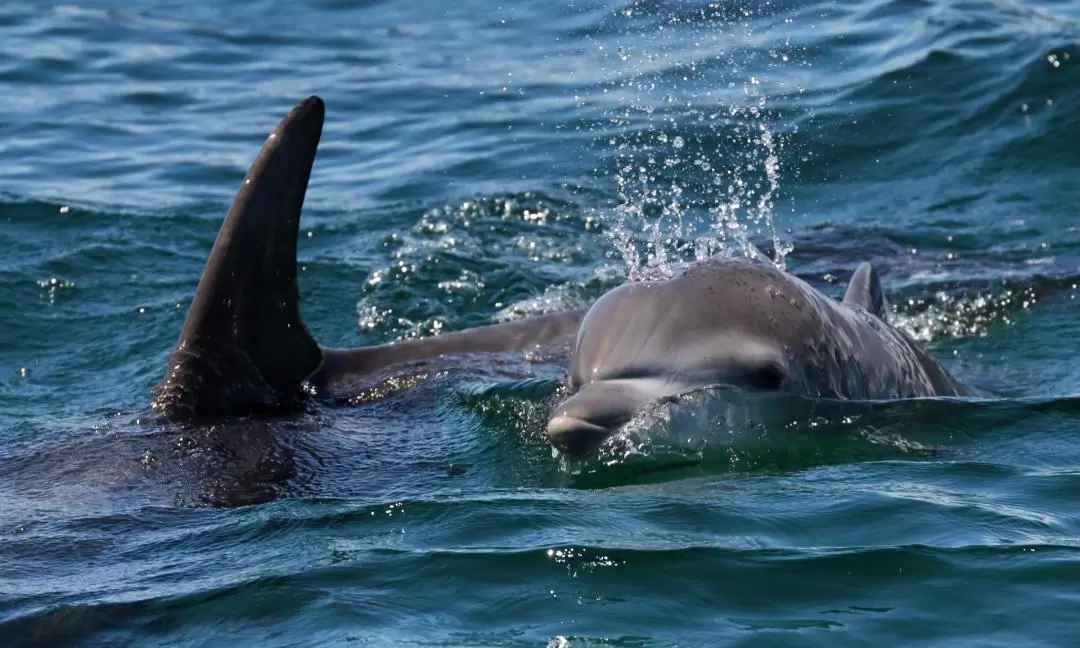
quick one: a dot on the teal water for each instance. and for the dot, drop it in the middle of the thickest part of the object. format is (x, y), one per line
(485, 161)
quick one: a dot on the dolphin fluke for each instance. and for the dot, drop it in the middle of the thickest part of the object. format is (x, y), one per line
(244, 348)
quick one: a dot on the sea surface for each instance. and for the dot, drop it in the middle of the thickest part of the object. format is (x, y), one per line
(485, 160)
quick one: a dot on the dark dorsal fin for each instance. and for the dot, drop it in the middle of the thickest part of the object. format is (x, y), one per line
(244, 349)
(865, 290)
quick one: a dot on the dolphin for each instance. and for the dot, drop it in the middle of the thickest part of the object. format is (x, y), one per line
(244, 349)
(742, 323)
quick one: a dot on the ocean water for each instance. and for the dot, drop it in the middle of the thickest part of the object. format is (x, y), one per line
(486, 160)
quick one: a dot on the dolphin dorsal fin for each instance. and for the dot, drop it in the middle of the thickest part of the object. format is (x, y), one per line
(244, 348)
(865, 290)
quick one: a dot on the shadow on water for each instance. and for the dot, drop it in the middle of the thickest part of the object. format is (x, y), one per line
(226, 464)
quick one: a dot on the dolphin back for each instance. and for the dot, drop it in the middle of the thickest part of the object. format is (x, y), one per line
(342, 370)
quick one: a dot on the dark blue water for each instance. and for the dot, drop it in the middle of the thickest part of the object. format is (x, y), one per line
(484, 161)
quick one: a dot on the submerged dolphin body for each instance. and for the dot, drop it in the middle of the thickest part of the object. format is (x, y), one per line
(244, 349)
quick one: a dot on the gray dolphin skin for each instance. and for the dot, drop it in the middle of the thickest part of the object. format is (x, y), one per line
(740, 323)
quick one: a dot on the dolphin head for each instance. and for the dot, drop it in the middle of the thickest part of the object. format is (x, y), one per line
(597, 410)
(726, 323)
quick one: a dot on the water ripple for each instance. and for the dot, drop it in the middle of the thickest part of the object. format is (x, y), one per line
(486, 161)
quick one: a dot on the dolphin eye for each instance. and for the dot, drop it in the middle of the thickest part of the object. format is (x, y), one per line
(765, 377)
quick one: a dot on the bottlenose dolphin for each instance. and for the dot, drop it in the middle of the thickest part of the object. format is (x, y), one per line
(244, 349)
(741, 323)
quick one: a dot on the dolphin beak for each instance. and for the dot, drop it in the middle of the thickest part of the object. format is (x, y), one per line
(585, 420)
(575, 437)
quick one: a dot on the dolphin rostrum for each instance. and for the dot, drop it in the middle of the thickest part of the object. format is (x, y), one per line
(244, 349)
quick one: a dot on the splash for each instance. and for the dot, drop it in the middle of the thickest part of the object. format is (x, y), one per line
(737, 182)
(697, 155)
(946, 315)
(516, 255)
